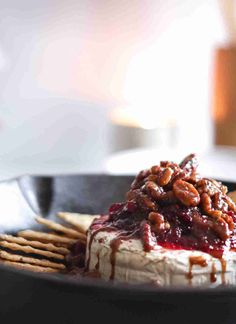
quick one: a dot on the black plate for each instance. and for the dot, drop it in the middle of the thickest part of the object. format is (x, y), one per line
(33, 298)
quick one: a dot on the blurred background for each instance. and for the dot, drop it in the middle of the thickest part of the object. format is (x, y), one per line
(114, 86)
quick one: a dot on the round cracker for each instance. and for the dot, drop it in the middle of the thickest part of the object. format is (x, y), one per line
(82, 222)
(60, 228)
(30, 249)
(23, 259)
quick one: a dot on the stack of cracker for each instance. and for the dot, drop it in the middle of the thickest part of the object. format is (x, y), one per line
(42, 251)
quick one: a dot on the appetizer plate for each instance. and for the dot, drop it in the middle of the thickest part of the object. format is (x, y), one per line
(48, 298)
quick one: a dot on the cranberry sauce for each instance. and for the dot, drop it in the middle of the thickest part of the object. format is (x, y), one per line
(171, 205)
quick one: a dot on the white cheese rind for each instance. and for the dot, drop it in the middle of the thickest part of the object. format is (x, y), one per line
(163, 267)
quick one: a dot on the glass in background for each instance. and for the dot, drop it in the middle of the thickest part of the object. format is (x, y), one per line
(224, 82)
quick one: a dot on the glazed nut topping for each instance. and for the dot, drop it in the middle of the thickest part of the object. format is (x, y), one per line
(171, 184)
(171, 205)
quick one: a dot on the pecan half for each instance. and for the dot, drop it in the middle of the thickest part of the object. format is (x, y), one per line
(218, 202)
(143, 201)
(139, 179)
(168, 198)
(153, 190)
(190, 163)
(207, 207)
(186, 193)
(155, 169)
(207, 186)
(164, 176)
(203, 223)
(230, 203)
(158, 223)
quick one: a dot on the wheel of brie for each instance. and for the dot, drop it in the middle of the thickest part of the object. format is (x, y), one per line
(175, 228)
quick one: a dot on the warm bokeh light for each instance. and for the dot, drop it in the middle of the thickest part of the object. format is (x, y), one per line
(153, 60)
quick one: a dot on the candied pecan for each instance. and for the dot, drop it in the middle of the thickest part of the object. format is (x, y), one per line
(232, 195)
(224, 189)
(135, 184)
(229, 221)
(193, 178)
(178, 175)
(168, 198)
(216, 213)
(211, 186)
(168, 164)
(143, 174)
(155, 217)
(152, 177)
(164, 176)
(208, 208)
(139, 179)
(155, 169)
(220, 228)
(207, 186)
(201, 222)
(190, 163)
(153, 189)
(219, 215)
(230, 203)
(220, 186)
(158, 223)
(146, 202)
(165, 164)
(143, 200)
(206, 203)
(131, 194)
(186, 193)
(218, 202)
